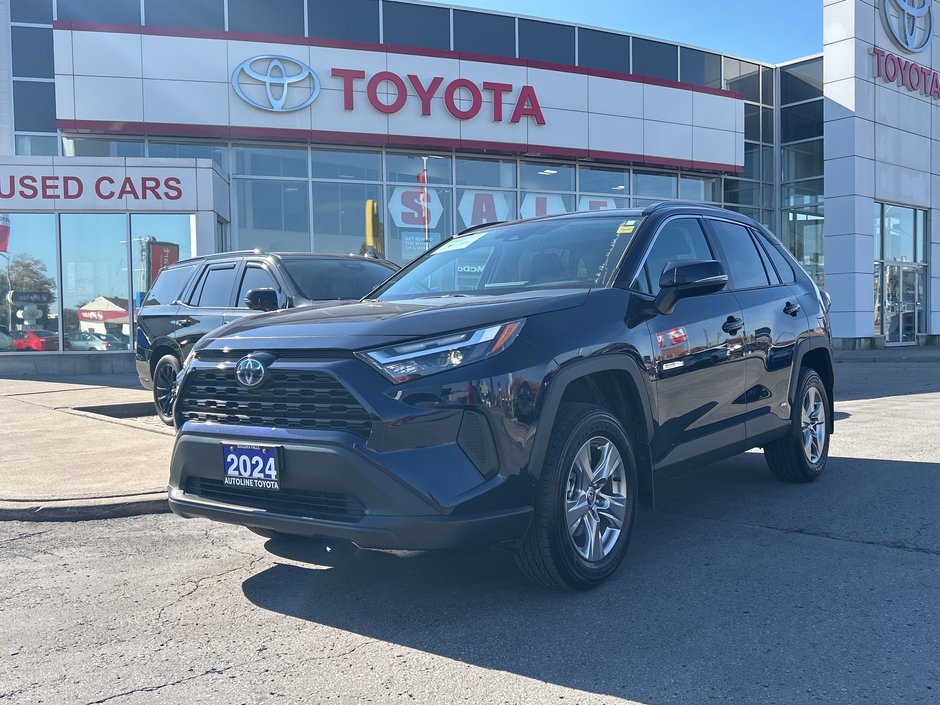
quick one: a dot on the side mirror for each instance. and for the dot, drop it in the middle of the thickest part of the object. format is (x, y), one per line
(687, 278)
(262, 300)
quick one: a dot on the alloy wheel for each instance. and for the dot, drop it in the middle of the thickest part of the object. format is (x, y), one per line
(813, 425)
(595, 499)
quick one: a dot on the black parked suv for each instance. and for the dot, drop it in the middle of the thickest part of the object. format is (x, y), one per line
(190, 298)
(521, 384)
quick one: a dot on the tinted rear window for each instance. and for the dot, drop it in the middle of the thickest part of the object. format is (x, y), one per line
(327, 280)
(168, 286)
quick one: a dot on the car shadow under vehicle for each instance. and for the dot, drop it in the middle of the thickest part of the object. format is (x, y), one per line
(737, 589)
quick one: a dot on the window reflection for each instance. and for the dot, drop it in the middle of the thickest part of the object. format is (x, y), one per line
(157, 241)
(95, 298)
(28, 268)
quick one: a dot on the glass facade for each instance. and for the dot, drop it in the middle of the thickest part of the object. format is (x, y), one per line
(79, 275)
(902, 238)
(801, 157)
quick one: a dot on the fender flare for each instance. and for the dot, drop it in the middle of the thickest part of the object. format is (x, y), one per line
(559, 383)
(803, 347)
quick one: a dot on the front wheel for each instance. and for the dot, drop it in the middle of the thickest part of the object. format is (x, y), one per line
(801, 455)
(164, 387)
(585, 502)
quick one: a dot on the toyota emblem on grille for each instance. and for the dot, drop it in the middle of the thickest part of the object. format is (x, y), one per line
(267, 81)
(250, 372)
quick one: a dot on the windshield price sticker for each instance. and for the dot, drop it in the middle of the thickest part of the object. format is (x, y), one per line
(626, 227)
(459, 243)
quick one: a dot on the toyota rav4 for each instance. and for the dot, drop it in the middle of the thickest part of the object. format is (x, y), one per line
(522, 384)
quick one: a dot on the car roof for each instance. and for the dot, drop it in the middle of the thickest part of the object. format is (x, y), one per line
(660, 207)
(279, 255)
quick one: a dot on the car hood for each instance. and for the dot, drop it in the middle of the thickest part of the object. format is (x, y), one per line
(369, 323)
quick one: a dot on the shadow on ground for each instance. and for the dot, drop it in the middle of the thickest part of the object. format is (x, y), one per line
(730, 594)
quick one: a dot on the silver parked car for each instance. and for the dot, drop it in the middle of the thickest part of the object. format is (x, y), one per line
(85, 341)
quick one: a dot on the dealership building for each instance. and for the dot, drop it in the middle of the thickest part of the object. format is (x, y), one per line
(137, 132)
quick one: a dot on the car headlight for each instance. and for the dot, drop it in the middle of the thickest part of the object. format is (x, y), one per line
(420, 358)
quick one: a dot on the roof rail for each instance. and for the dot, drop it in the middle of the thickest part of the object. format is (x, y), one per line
(659, 205)
(472, 228)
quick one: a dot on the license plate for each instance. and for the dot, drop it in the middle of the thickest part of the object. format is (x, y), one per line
(251, 466)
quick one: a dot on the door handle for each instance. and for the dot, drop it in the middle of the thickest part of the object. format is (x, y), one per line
(732, 325)
(791, 309)
(183, 322)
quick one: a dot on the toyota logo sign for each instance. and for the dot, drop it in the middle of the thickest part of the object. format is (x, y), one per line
(250, 372)
(278, 84)
(912, 28)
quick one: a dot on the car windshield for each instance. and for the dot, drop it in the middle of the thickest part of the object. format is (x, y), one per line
(541, 254)
(331, 279)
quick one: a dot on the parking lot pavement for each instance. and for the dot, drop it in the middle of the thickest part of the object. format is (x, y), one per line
(737, 590)
(85, 448)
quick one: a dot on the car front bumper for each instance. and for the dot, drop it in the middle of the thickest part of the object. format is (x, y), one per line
(331, 488)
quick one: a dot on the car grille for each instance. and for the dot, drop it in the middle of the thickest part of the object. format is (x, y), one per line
(330, 506)
(306, 399)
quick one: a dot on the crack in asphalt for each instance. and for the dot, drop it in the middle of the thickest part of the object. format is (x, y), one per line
(23, 536)
(153, 688)
(898, 545)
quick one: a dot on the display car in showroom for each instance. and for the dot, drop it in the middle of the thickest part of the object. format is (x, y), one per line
(522, 384)
(190, 298)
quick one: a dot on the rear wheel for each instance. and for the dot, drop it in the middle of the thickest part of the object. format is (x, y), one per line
(585, 502)
(801, 455)
(164, 387)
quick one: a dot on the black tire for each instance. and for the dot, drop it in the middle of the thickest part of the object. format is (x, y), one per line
(788, 458)
(164, 387)
(549, 554)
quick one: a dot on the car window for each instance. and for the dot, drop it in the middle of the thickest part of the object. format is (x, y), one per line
(744, 263)
(541, 254)
(678, 239)
(329, 279)
(768, 267)
(215, 289)
(255, 277)
(781, 264)
(166, 289)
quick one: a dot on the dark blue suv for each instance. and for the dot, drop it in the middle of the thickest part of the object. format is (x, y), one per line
(522, 384)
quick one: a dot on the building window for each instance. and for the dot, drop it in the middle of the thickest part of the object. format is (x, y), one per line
(902, 237)
(405, 24)
(801, 82)
(95, 297)
(93, 147)
(654, 186)
(704, 189)
(418, 168)
(700, 68)
(543, 176)
(31, 11)
(344, 215)
(349, 20)
(188, 14)
(609, 181)
(801, 122)
(37, 145)
(767, 86)
(285, 17)
(218, 153)
(546, 41)
(32, 52)
(33, 106)
(272, 214)
(157, 241)
(802, 160)
(498, 173)
(419, 217)
(742, 77)
(103, 11)
(28, 263)
(271, 161)
(655, 59)
(346, 165)
(603, 50)
(483, 33)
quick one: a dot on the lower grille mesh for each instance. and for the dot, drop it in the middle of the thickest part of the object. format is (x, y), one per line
(306, 504)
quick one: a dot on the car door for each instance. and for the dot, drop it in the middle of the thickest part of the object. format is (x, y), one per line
(207, 304)
(698, 355)
(157, 318)
(772, 323)
(255, 275)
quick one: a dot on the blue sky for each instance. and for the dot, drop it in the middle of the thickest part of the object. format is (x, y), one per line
(767, 30)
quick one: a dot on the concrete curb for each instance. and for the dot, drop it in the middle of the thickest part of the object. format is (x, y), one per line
(84, 509)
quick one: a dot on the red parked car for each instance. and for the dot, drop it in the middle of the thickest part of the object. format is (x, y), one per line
(35, 340)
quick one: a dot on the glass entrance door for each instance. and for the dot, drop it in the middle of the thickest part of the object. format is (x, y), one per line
(901, 305)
